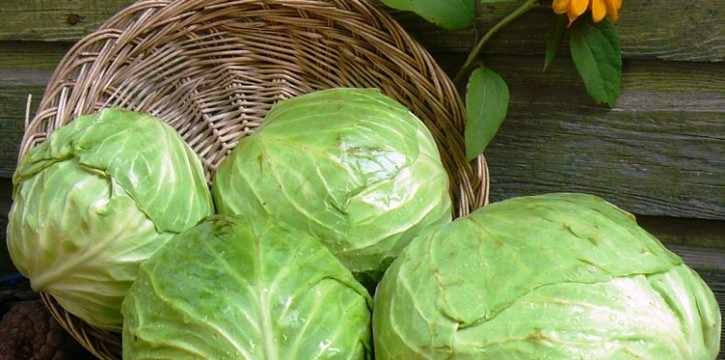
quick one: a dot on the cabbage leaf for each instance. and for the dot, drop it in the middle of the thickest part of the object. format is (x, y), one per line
(352, 166)
(97, 198)
(236, 287)
(561, 276)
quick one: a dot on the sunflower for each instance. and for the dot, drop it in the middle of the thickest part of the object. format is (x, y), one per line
(600, 8)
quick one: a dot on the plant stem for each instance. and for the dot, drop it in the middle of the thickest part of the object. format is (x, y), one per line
(466, 68)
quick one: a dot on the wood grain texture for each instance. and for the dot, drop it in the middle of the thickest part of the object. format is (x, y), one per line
(658, 152)
(54, 20)
(663, 29)
(31, 55)
(12, 119)
(25, 70)
(687, 232)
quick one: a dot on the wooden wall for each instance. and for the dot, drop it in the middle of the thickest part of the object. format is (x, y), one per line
(658, 153)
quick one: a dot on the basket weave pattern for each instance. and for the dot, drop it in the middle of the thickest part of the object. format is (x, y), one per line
(213, 68)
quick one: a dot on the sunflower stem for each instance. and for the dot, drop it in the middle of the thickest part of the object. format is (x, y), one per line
(470, 61)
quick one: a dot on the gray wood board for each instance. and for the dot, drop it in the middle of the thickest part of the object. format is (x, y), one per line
(657, 152)
(662, 29)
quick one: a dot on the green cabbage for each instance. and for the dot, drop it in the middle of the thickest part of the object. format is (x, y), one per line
(95, 200)
(241, 288)
(557, 276)
(352, 166)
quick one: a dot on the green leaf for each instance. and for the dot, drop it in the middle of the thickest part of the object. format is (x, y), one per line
(571, 264)
(598, 58)
(487, 100)
(375, 149)
(448, 14)
(236, 287)
(555, 39)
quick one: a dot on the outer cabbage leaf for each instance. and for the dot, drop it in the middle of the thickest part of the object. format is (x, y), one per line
(236, 287)
(561, 276)
(144, 155)
(351, 166)
(95, 200)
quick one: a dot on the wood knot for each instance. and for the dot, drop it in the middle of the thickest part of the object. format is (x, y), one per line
(74, 19)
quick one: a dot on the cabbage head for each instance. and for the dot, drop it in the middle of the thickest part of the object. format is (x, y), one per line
(352, 166)
(97, 198)
(240, 288)
(554, 276)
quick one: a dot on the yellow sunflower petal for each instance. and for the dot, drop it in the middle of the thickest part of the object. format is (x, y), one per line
(613, 9)
(560, 6)
(572, 17)
(578, 7)
(599, 10)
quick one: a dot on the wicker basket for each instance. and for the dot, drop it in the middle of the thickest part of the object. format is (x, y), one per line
(213, 68)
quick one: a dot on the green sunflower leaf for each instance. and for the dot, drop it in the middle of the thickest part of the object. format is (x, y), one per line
(597, 55)
(448, 14)
(487, 100)
(555, 39)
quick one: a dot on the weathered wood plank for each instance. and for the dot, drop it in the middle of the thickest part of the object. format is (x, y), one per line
(55, 20)
(699, 258)
(13, 101)
(25, 70)
(658, 152)
(664, 29)
(686, 232)
(31, 55)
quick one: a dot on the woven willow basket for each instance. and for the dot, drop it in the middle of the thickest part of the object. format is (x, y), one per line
(213, 68)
